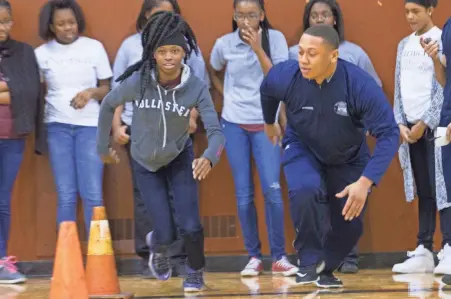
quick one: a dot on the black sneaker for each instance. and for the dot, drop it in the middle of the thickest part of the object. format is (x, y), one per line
(348, 268)
(309, 274)
(328, 280)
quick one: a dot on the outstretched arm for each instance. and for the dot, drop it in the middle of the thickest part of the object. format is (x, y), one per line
(216, 139)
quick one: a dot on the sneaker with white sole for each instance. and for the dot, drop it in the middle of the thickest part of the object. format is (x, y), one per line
(284, 267)
(253, 268)
(444, 265)
(9, 274)
(420, 260)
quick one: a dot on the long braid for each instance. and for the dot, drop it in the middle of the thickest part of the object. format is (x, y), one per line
(265, 25)
(160, 26)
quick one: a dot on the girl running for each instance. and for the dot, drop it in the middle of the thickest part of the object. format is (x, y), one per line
(129, 53)
(164, 91)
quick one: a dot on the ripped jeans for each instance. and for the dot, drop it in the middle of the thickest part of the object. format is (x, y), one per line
(240, 147)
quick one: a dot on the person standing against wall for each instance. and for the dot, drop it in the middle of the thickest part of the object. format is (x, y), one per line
(247, 54)
(418, 102)
(329, 12)
(19, 98)
(76, 72)
(129, 53)
(440, 53)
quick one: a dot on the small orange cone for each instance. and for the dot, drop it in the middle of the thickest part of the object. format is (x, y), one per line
(68, 281)
(101, 272)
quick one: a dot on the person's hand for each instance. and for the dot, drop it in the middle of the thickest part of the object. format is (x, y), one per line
(448, 132)
(81, 99)
(111, 158)
(405, 134)
(252, 37)
(357, 194)
(120, 136)
(431, 48)
(201, 168)
(192, 126)
(274, 133)
(417, 131)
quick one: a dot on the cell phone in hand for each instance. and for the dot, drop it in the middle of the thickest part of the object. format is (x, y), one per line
(427, 40)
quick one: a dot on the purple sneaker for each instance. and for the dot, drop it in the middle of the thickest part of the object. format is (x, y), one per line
(159, 263)
(194, 280)
(9, 274)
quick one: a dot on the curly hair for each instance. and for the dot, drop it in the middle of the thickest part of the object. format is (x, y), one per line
(48, 10)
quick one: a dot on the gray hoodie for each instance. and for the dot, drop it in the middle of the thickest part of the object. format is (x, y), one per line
(159, 129)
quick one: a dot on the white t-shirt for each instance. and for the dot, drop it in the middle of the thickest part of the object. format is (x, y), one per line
(68, 70)
(417, 71)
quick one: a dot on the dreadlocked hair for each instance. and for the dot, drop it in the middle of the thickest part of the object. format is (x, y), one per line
(265, 25)
(161, 26)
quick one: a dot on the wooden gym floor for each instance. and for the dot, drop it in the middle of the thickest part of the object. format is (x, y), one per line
(367, 284)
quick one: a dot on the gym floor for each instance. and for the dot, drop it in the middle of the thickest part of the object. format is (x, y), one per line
(367, 284)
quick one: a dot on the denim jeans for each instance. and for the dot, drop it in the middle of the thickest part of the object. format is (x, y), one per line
(240, 146)
(155, 189)
(77, 169)
(11, 155)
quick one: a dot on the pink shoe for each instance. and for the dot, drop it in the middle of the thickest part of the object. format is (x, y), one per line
(284, 267)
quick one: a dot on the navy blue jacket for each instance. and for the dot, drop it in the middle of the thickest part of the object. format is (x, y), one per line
(331, 119)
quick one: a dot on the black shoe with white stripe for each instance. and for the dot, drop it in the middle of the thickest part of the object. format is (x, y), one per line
(328, 280)
(309, 274)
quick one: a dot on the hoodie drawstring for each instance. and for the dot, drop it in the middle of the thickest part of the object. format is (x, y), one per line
(164, 118)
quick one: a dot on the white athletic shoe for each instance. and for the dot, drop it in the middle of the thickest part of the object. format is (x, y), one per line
(444, 265)
(420, 260)
(253, 268)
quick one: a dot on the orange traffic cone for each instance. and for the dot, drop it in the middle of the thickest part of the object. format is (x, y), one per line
(68, 281)
(101, 272)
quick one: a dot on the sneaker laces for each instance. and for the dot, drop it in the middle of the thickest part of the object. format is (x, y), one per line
(162, 261)
(284, 263)
(194, 277)
(419, 251)
(9, 263)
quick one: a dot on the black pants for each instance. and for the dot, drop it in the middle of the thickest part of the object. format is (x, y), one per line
(422, 158)
(143, 224)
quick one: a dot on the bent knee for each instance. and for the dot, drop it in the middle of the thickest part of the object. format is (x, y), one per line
(273, 193)
(306, 195)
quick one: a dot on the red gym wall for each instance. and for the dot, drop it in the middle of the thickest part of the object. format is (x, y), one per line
(377, 26)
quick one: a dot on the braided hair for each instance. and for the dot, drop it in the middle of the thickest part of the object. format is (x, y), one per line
(161, 26)
(265, 25)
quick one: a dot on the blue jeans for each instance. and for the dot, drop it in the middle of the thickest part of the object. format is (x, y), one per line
(176, 178)
(77, 168)
(11, 155)
(241, 144)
